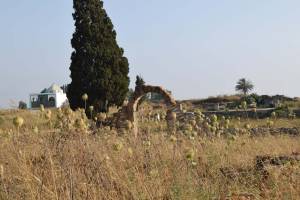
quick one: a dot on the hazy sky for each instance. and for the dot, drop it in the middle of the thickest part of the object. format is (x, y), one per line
(196, 48)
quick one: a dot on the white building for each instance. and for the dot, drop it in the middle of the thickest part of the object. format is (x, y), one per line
(53, 97)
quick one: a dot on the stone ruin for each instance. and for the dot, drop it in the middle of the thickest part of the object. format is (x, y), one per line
(127, 117)
(129, 112)
(261, 167)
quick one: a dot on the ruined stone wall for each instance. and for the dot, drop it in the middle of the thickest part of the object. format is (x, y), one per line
(129, 111)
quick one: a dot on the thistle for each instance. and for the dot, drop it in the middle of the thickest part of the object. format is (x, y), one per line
(270, 123)
(171, 116)
(213, 129)
(247, 126)
(68, 112)
(244, 105)
(214, 118)
(188, 128)
(239, 120)
(154, 173)
(193, 123)
(173, 139)
(1, 171)
(128, 125)
(273, 115)
(227, 122)
(194, 134)
(147, 143)
(194, 164)
(190, 154)
(118, 146)
(292, 115)
(59, 114)
(80, 125)
(36, 130)
(130, 151)
(206, 125)
(216, 124)
(101, 117)
(85, 97)
(233, 137)
(18, 122)
(91, 109)
(48, 115)
(198, 112)
(82, 113)
(42, 108)
(223, 118)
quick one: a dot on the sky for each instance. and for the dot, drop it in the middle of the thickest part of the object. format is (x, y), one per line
(195, 48)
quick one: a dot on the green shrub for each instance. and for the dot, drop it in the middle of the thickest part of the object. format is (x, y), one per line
(282, 112)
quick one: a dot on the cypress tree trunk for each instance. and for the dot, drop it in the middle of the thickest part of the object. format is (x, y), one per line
(98, 65)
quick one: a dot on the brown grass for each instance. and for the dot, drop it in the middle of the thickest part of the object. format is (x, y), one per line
(54, 164)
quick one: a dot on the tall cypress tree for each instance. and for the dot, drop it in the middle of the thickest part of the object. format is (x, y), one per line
(98, 66)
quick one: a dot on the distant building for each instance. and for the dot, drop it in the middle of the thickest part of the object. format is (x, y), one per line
(53, 97)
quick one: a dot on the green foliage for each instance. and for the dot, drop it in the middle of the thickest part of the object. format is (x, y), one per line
(271, 101)
(98, 66)
(138, 84)
(282, 112)
(139, 81)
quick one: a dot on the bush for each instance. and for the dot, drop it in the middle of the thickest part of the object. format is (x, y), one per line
(283, 112)
(22, 105)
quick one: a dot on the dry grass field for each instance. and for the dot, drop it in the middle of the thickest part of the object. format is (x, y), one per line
(62, 156)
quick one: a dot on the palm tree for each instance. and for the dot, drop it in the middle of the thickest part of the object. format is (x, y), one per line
(244, 86)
